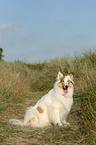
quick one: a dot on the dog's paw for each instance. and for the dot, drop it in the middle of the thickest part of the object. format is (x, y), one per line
(59, 123)
(66, 123)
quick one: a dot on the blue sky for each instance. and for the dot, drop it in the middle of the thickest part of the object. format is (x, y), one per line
(38, 30)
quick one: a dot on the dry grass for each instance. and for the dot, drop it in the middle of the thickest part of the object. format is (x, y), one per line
(21, 85)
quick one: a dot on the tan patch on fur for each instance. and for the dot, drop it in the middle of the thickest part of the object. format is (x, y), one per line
(70, 84)
(32, 120)
(71, 76)
(62, 79)
(40, 110)
(60, 83)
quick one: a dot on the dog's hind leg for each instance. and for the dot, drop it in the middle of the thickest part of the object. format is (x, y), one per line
(32, 117)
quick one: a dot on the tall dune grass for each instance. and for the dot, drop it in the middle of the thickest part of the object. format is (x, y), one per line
(12, 82)
(22, 83)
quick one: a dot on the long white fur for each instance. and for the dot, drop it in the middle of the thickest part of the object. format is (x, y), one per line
(55, 104)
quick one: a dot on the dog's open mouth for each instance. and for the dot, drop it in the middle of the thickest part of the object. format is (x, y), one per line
(65, 89)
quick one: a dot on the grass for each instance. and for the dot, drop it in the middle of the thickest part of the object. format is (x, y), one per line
(21, 85)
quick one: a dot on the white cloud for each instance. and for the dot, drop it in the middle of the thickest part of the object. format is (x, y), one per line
(58, 20)
(8, 27)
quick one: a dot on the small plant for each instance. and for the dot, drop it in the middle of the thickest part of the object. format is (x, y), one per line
(1, 53)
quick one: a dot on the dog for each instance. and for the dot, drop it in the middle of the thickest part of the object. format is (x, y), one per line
(53, 107)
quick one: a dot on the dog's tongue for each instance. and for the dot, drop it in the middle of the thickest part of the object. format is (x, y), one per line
(66, 91)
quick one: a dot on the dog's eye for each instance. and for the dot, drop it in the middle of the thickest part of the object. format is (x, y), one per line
(69, 81)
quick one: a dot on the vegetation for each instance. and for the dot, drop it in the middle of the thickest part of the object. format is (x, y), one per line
(21, 85)
(1, 55)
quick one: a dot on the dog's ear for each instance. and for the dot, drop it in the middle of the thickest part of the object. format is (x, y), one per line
(71, 76)
(59, 76)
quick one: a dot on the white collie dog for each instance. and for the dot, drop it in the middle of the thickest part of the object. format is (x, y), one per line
(52, 107)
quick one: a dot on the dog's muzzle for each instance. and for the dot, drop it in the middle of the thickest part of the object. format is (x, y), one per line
(65, 88)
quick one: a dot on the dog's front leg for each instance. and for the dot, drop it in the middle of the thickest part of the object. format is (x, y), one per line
(56, 118)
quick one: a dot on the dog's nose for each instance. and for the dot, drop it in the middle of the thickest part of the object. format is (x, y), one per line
(65, 87)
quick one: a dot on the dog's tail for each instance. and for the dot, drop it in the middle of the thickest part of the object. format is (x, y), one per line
(17, 122)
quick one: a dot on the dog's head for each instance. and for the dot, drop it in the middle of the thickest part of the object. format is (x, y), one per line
(65, 82)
